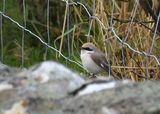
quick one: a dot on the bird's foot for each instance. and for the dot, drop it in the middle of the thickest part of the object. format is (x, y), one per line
(92, 76)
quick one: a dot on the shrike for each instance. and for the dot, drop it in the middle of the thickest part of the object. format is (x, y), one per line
(93, 59)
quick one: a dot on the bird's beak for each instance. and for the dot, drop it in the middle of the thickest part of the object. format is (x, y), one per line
(81, 48)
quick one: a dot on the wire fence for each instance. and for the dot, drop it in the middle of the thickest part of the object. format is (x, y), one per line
(110, 29)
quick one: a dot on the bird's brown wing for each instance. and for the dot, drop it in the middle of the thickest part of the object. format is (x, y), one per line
(100, 59)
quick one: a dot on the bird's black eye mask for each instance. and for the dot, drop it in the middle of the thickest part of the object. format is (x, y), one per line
(86, 48)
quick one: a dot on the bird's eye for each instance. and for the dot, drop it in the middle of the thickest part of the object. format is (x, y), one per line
(88, 49)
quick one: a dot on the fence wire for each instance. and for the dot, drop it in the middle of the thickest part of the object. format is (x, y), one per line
(122, 41)
(40, 39)
(114, 32)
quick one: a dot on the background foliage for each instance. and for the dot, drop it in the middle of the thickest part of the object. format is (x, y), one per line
(78, 28)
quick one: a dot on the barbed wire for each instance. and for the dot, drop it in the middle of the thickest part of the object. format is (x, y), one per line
(114, 32)
(154, 36)
(39, 38)
(133, 14)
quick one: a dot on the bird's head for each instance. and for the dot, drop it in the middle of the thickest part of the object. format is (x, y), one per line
(88, 48)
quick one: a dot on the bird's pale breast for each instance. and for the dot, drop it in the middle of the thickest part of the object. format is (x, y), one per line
(89, 64)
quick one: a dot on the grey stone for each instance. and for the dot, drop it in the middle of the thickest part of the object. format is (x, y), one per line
(47, 80)
(51, 88)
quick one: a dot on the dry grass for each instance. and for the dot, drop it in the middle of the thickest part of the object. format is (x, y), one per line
(125, 62)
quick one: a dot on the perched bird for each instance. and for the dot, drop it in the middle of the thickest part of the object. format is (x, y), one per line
(93, 60)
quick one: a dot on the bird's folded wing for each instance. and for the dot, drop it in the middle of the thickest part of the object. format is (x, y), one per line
(100, 60)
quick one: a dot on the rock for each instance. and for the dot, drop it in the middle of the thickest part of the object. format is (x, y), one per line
(47, 80)
(18, 108)
(51, 88)
(130, 98)
(6, 71)
(54, 79)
